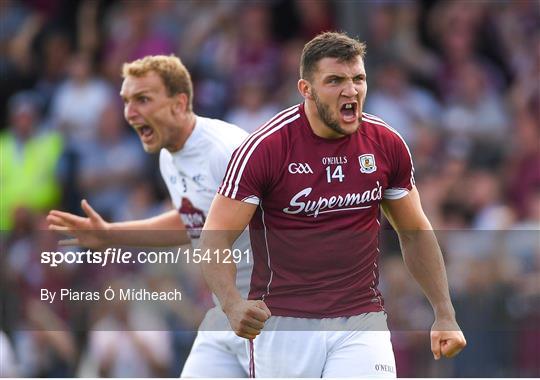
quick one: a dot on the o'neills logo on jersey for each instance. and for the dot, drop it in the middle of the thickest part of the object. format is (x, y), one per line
(300, 203)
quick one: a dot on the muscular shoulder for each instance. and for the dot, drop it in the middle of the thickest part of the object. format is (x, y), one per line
(276, 133)
(258, 160)
(218, 141)
(381, 132)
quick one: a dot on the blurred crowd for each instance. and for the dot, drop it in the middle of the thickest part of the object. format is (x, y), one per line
(460, 81)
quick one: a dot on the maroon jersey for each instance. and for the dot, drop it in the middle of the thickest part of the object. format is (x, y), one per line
(314, 234)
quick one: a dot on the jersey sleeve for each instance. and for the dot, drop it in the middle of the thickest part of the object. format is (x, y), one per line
(249, 171)
(402, 174)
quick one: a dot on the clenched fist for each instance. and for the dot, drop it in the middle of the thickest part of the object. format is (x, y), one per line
(247, 317)
(446, 339)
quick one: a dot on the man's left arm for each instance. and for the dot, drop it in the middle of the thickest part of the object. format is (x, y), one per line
(423, 258)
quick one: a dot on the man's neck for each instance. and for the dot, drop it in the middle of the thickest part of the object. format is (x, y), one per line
(186, 129)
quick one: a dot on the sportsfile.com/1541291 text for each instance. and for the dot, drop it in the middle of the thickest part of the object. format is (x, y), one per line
(121, 256)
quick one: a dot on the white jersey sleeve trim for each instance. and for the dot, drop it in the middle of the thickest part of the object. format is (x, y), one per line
(253, 199)
(395, 193)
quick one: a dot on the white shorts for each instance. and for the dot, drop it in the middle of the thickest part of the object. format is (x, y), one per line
(217, 350)
(357, 346)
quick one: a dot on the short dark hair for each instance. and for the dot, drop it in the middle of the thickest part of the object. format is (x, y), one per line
(329, 45)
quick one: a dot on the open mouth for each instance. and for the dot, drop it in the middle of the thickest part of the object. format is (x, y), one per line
(348, 112)
(145, 132)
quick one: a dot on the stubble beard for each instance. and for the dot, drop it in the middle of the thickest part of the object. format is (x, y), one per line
(326, 116)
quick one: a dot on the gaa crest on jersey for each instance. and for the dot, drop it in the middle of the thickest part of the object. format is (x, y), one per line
(367, 163)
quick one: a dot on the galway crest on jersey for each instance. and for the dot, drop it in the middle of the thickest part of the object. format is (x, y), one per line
(367, 163)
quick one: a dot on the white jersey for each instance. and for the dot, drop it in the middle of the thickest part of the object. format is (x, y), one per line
(193, 175)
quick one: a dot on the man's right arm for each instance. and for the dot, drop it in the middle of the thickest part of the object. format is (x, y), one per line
(226, 220)
(93, 231)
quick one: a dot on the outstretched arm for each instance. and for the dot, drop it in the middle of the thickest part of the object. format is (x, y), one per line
(92, 231)
(423, 258)
(226, 221)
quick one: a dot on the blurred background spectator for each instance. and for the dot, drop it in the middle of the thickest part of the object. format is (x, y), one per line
(79, 101)
(110, 163)
(252, 108)
(460, 80)
(30, 154)
(7, 357)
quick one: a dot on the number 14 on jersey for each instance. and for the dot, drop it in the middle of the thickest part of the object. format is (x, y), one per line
(337, 174)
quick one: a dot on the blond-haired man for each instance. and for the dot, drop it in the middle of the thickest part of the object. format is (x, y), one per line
(194, 151)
